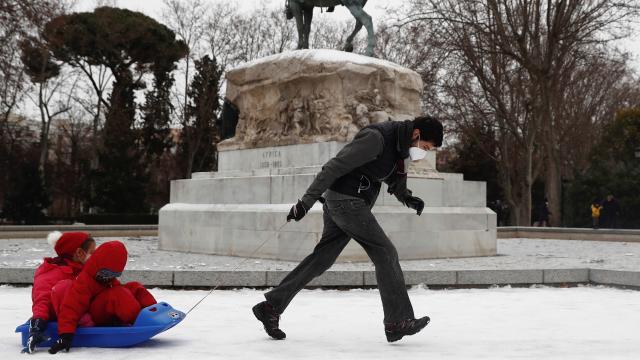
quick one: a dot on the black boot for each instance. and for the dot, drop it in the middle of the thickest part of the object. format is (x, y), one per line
(395, 331)
(270, 319)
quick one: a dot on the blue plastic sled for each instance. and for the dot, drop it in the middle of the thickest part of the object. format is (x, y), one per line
(151, 321)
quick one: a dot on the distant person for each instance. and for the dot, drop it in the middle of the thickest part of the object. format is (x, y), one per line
(611, 211)
(542, 214)
(498, 207)
(595, 213)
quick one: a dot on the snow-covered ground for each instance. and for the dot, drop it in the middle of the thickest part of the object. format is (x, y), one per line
(498, 323)
(513, 254)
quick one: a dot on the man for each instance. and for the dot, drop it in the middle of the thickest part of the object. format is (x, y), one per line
(351, 183)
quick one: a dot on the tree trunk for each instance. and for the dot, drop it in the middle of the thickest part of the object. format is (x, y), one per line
(44, 133)
(94, 143)
(517, 188)
(553, 191)
(185, 114)
(191, 155)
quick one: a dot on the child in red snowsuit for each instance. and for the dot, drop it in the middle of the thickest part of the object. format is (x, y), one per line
(97, 291)
(73, 249)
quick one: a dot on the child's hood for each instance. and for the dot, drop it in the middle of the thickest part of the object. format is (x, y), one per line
(111, 255)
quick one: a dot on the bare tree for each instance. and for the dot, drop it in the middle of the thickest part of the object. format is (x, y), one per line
(600, 84)
(71, 142)
(43, 72)
(11, 70)
(235, 38)
(188, 19)
(479, 87)
(544, 43)
(101, 3)
(97, 82)
(53, 98)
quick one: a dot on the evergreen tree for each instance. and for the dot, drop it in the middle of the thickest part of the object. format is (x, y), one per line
(26, 197)
(156, 138)
(121, 39)
(120, 179)
(157, 111)
(200, 134)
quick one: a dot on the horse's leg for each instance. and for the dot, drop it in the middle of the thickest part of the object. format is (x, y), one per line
(355, 7)
(296, 10)
(348, 45)
(308, 18)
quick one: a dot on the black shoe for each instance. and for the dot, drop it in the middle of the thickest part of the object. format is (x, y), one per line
(396, 331)
(270, 319)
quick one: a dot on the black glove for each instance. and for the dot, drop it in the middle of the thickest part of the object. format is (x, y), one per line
(64, 343)
(298, 211)
(415, 203)
(36, 335)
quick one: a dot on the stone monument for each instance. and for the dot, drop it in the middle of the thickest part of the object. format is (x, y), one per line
(296, 111)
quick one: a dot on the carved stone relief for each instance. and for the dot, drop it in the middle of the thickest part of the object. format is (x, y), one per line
(319, 101)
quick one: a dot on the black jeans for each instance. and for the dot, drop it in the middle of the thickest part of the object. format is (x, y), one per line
(344, 220)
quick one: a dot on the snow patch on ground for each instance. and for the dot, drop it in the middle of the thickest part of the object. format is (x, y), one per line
(497, 323)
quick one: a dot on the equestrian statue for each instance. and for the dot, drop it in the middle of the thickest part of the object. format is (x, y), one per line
(302, 11)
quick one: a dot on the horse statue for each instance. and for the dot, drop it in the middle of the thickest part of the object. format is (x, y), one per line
(302, 11)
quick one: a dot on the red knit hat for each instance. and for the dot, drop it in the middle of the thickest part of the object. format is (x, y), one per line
(67, 243)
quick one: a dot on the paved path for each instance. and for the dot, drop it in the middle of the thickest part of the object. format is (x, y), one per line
(519, 261)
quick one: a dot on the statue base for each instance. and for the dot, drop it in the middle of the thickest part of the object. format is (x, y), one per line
(233, 211)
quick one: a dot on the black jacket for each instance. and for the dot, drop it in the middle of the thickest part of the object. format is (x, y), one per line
(378, 152)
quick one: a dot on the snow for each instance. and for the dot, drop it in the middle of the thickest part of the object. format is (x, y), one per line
(324, 56)
(514, 254)
(496, 323)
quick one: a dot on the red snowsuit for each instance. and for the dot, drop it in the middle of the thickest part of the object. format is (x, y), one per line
(52, 271)
(108, 303)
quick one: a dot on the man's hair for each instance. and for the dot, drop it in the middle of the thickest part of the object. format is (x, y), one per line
(430, 129)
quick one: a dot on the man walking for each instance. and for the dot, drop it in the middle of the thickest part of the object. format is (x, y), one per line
(351, 183)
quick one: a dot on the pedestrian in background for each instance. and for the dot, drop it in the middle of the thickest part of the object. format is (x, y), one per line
(595, 213)
(610, 212)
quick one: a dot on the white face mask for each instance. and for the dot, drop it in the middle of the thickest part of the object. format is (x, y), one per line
(416, 153)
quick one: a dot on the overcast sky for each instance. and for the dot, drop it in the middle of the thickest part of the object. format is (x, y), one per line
(153, 7)
(374, 7)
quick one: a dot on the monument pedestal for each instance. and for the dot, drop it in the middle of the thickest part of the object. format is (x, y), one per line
(233, 211)
(283, 138)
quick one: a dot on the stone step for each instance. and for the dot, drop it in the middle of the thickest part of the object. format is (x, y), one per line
(237, 230)
(351, 278)
(283, 188)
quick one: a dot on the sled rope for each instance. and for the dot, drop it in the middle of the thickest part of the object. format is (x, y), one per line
(236, 268)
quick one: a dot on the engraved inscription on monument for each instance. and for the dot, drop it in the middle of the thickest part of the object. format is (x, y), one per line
(271, 159)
